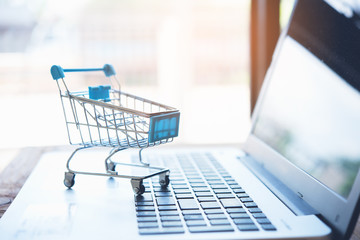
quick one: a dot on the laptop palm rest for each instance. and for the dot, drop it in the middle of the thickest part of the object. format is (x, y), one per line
(292, 200)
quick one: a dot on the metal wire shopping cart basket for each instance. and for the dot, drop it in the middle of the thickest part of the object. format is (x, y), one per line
(105, 116)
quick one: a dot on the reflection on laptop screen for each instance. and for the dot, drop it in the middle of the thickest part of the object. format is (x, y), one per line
(315, 122)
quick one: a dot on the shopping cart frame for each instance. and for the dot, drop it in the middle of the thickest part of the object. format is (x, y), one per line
(149, 124)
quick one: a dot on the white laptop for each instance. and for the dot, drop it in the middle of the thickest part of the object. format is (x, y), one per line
(295, 177)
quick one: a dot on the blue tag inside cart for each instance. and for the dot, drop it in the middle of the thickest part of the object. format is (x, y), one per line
(164, 126)
(101, 92)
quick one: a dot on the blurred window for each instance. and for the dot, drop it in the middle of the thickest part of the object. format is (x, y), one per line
(191, 54)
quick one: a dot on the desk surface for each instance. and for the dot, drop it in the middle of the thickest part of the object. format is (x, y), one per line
(13, 177)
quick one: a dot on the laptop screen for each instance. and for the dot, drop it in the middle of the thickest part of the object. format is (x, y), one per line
(310, 112)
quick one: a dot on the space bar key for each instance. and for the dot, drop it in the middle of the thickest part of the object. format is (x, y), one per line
(200, 229)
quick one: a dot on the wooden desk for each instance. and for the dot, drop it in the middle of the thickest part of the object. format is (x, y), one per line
(13, 177)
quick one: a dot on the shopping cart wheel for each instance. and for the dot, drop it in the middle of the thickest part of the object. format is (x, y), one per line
(138, 186)
(69, 179)
(110, 166)
(164, 179)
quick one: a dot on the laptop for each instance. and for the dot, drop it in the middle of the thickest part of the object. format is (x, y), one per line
(296, 176)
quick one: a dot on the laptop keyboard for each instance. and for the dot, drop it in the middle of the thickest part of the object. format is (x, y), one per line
(202, 197)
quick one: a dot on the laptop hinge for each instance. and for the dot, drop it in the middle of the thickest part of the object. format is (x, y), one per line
(292, 200)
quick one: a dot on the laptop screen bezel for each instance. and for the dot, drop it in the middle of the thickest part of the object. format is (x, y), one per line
(340, 213)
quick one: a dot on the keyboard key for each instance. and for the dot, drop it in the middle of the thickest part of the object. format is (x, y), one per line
(234, 185)
(232, 182)
(213, 179)
(210, 175)
(148, 225)
(247, 227)
(243, 221)
(177, 182)
(201, 189)
(228, 177)
(165, 201)
(216, 216)
(244, 200)
(194, 185)
(259, 215)
(268, 227)
(145, 208)
(213, 211)
(236, 210)
(192, 173)
(242, 195)
(222, 191)
(255, 210)
(184, 196)
(144, 203)
(239, 191)
(172, 224)
(191, 212)
(221, 195)
(250, 205)
(220, 228)
(216, 183)
(219, 222)
(163, 194)
(195, 223)
(161, 189)
(219, 187)
(181, 191)
(180, 186)
(146, 214)
(239, 215)
(204, 194)
(167, 208)
(193, 217)
(169, 213)
(209, 205)
(188, 204)
(263, 221)
(206, 199)
(150, 231)
(147, 219)
(231, 203)
(178, 179)
(196, 180)
(170, 218)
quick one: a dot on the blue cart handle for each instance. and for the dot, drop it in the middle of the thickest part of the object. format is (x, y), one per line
(57, 72)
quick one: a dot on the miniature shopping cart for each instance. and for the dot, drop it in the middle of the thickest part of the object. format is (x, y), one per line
(105, 116)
